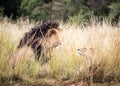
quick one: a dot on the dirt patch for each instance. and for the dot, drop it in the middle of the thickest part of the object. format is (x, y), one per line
(59, 83)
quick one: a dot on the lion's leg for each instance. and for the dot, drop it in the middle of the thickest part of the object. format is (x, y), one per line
(13, 61)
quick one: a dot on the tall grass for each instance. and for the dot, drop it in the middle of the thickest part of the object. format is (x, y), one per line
(65, 63)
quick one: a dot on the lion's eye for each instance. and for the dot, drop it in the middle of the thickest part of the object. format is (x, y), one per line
(52, 32)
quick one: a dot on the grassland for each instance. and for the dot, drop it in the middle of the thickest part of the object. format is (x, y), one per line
(65, 66)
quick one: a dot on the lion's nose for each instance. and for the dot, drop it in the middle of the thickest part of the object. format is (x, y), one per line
(60, 43)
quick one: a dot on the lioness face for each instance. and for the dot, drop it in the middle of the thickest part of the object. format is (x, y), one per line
(85, 52)
(52, 38)
(81, 51)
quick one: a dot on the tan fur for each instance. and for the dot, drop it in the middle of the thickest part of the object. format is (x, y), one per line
(19, 55)
(88, 55)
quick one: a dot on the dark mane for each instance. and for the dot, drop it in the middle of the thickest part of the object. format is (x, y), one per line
(35, 34)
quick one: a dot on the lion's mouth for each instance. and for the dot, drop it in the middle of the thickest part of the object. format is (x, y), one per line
(78, 52)
(56, 45)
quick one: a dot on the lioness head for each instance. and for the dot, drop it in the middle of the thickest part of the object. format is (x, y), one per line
(52, 38)
(85, 52)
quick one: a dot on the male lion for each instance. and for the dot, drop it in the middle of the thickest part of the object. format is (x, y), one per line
(41, 39)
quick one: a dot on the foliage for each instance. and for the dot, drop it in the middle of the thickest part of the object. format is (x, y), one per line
(73, 10)
(11, 8)
(115, 11)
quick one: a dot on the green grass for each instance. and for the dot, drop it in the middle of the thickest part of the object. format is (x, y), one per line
(64, 64)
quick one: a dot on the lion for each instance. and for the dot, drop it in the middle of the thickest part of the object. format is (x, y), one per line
(88, 54)
(41, 39)
(91, 64)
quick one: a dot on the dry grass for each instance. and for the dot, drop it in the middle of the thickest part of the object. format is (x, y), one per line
(65, 63)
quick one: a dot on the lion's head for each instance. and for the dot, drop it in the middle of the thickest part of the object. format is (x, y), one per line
(86, 52)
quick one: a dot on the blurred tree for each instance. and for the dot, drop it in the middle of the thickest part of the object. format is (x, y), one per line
(77, 11)
(36, 9)
(11, 8)
(1, 10)
(44, 9)
(114, 12)
(100, 8)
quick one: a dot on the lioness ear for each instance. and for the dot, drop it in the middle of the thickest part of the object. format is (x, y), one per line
(52, 32)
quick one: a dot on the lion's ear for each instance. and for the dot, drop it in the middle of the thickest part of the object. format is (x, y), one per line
(52, 32)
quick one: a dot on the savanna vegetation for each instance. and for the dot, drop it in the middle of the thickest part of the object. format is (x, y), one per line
(65, 66)
(85, 24)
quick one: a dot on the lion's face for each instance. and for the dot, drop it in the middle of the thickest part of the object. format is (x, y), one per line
(51, 39)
